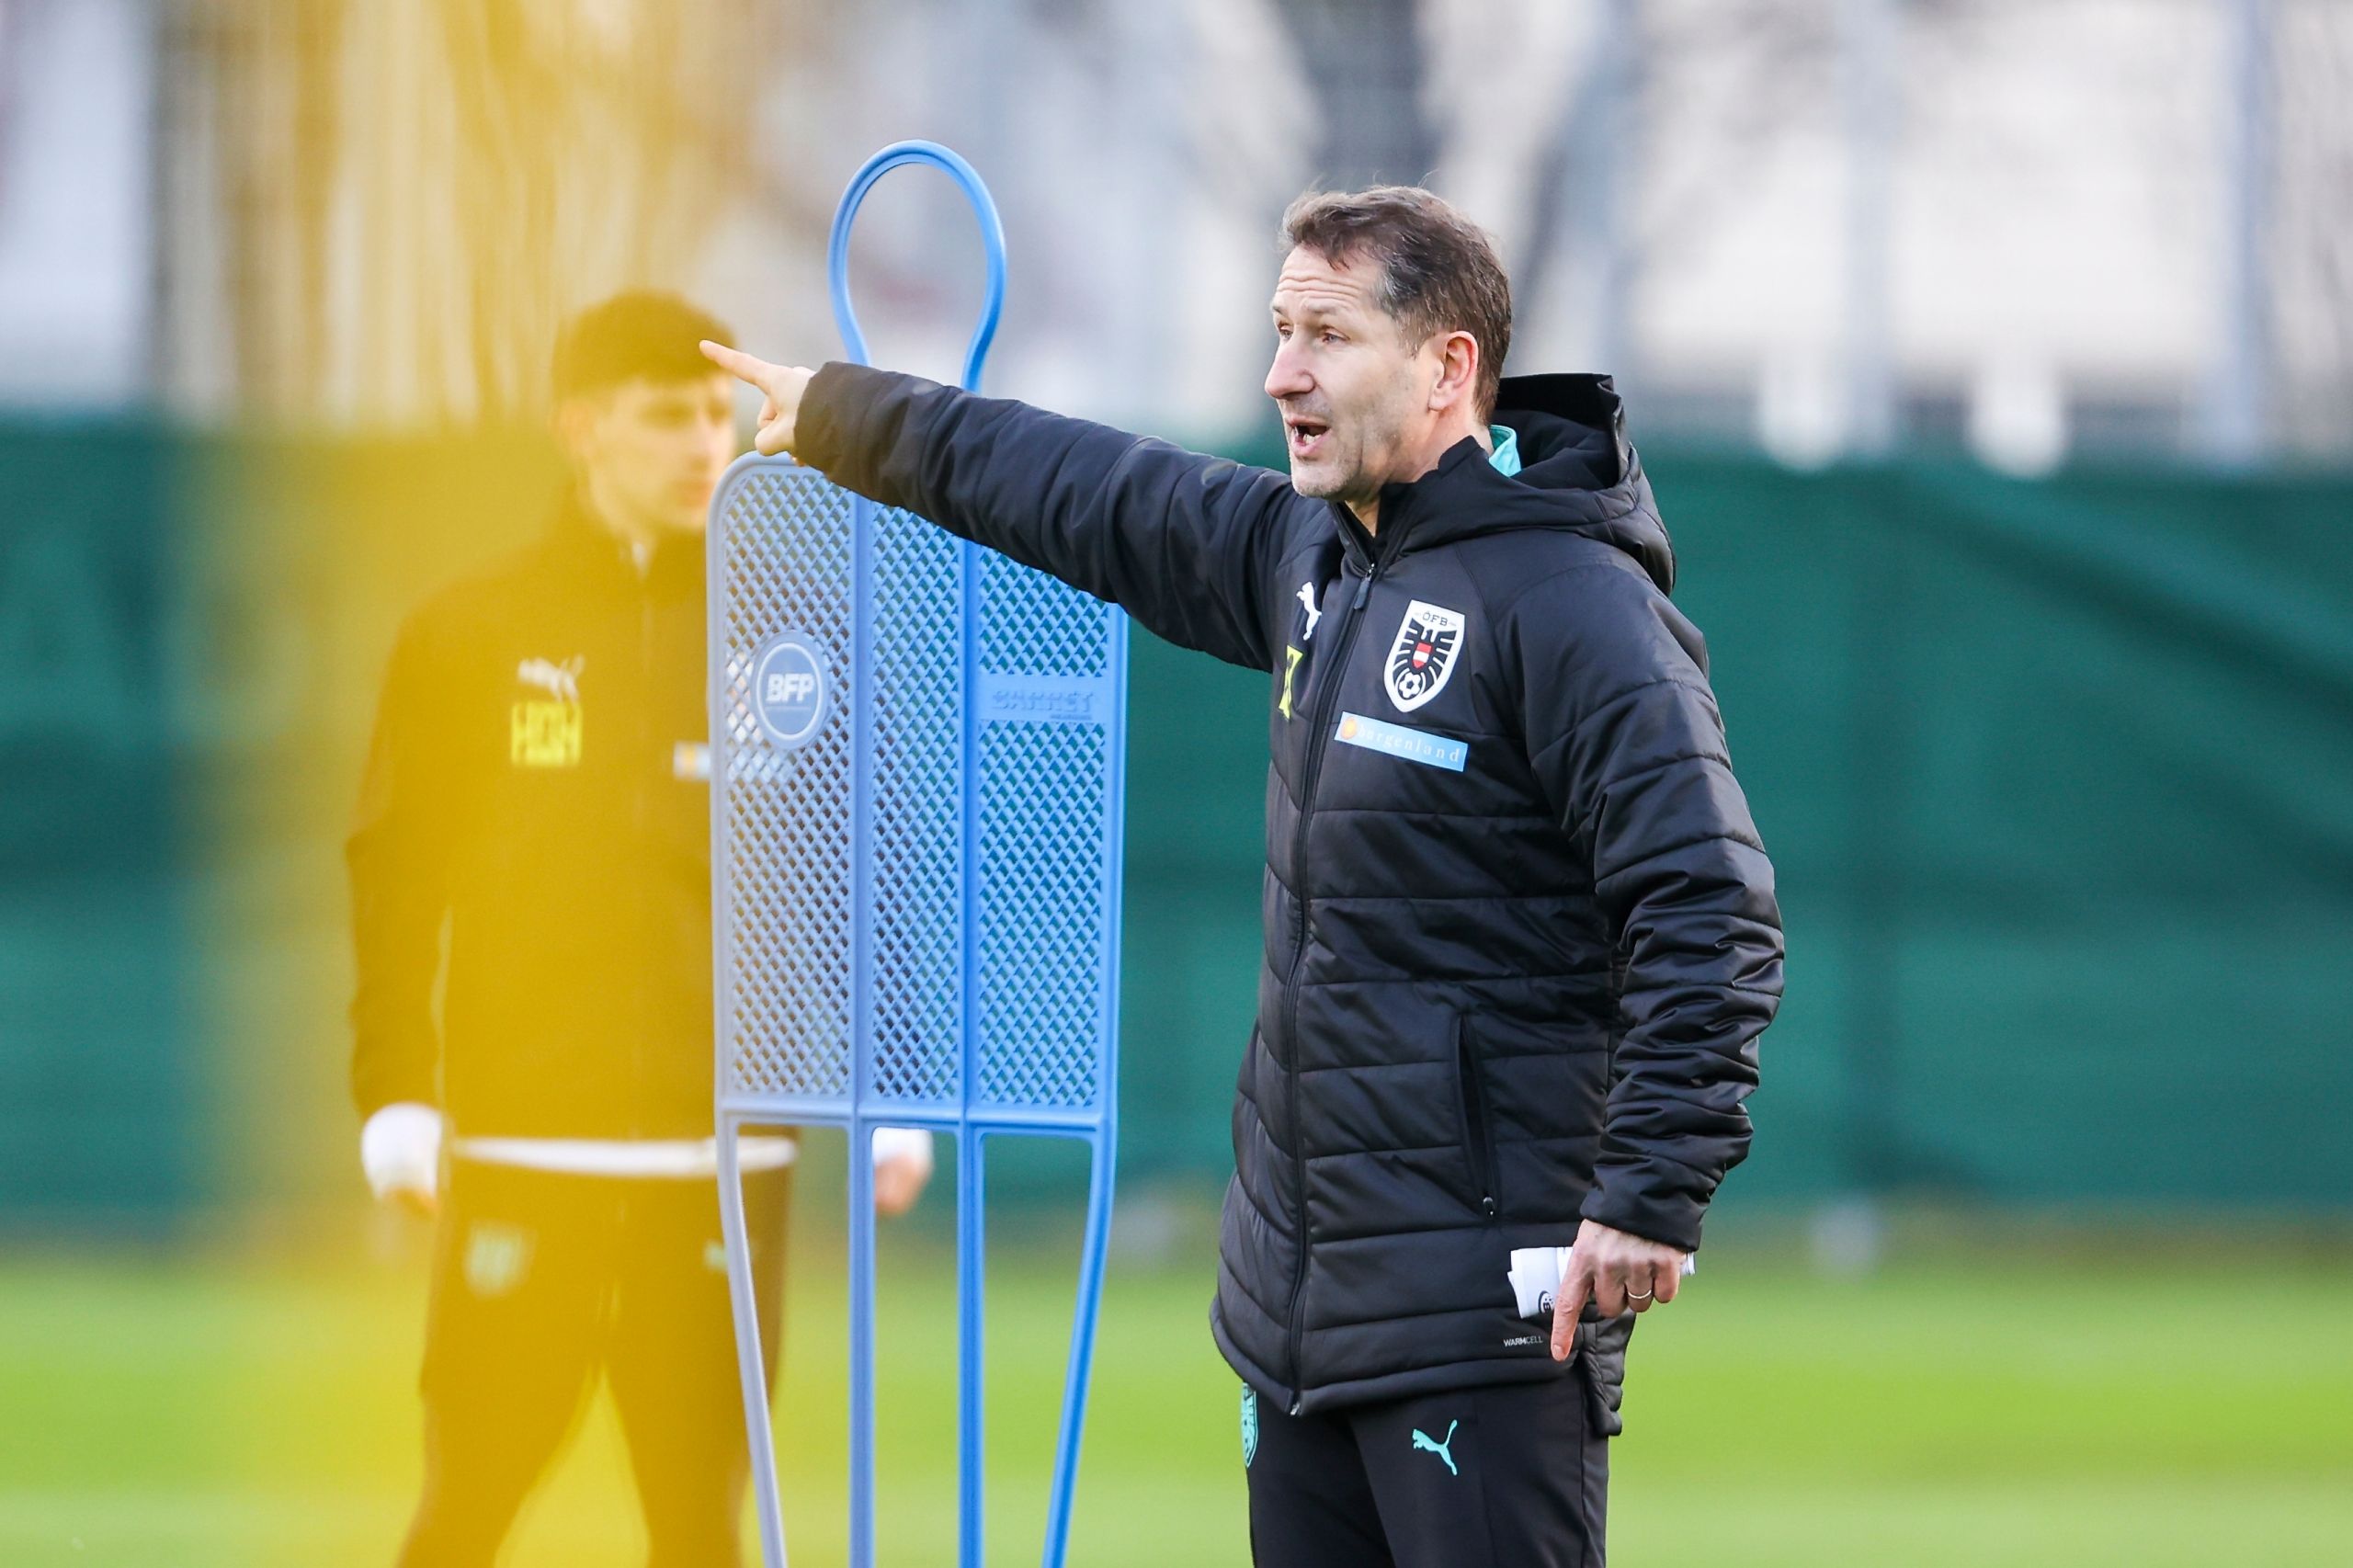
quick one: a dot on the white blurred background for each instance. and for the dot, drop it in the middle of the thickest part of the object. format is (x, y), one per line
(2033, 229)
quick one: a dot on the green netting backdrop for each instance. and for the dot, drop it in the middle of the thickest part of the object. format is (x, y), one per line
(2058, 776)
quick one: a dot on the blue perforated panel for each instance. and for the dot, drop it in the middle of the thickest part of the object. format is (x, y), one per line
(784, 840)
(931, 879)
(918, 773)
(1044, 771)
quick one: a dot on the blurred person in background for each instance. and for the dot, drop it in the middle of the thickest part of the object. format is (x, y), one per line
(1521, 935)
(533, 842)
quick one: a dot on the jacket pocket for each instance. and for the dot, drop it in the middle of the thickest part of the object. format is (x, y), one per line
(1478, 1133)
(1601, 1367)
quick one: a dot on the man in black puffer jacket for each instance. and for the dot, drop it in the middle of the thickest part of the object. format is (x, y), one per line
(1520, 932)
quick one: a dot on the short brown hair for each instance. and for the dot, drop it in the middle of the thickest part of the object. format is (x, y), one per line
(1439, 272)
(642, 332)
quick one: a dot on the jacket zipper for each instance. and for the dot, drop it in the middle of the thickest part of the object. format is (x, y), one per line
(640, 802)
(1318, 714)
(1479, 1139)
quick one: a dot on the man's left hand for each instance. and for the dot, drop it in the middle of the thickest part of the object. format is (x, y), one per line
(1616, 1271)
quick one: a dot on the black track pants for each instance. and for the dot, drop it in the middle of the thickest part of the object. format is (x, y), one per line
(1511, 1476)
(543, 1281)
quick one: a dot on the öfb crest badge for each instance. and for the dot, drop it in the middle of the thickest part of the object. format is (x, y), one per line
(1423, 656)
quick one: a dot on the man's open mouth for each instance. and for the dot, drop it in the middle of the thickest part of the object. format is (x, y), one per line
(1306, 434)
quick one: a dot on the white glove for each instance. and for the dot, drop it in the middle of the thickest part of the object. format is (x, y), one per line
(400, 1151)
(902, 1167)
(910, 1143)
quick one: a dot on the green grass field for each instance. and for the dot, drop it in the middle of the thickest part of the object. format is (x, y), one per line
(217, 1410)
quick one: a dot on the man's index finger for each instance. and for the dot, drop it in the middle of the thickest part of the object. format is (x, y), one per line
(736, 363)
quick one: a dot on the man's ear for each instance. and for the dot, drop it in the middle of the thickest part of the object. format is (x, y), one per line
(573, 423)
(1458, 370)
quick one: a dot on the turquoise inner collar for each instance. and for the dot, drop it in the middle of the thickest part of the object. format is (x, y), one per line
(1506, 457)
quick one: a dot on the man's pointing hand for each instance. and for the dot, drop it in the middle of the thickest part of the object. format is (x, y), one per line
(780, 387)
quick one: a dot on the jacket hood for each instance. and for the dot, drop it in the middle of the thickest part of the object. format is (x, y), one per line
(1571, 432)
(1578, 473)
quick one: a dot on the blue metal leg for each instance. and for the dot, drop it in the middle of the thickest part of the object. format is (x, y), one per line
(862, 1063)
(1082, 1348)
(748, 1359)
(971, 1366)
(861, 1344)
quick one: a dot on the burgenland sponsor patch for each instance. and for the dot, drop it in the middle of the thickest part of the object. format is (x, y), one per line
(1396, 739)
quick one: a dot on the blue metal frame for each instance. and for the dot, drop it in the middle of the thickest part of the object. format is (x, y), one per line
(967, 180)
(976, 1113)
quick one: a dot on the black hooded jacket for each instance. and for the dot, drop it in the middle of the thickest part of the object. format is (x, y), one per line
(1520, 932)
(536, 781)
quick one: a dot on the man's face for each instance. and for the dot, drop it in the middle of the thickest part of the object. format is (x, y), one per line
(654, 450)
(1353, 392)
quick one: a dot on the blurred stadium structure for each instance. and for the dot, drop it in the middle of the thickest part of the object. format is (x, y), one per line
(1993, 360)
(2034, 227)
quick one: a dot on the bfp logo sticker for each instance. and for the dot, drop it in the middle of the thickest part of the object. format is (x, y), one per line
(789, 686)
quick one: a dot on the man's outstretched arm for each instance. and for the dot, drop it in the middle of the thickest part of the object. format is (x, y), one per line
(1180, 540)
(1625, 737)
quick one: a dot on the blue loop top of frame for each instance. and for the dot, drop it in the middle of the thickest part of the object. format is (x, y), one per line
(992, 244)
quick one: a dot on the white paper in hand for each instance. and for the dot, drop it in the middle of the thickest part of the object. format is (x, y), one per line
(1536, 1277)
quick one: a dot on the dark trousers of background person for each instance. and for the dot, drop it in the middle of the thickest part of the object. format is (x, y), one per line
(1516, 1475)
(540, 1281)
